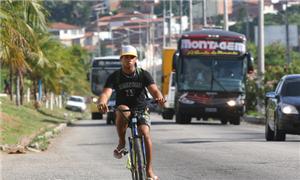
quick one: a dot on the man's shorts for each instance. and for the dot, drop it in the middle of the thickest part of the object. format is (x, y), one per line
(145, 118)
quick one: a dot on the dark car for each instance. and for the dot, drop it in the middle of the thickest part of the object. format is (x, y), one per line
(283, 108)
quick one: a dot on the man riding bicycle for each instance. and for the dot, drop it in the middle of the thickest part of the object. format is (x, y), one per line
(129, 83)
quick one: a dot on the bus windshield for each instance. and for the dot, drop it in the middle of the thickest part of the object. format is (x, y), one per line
(101, 69)
(212, 74)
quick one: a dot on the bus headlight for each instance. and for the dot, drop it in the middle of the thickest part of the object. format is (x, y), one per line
(236, 102)
(184, 100)
(95, 100)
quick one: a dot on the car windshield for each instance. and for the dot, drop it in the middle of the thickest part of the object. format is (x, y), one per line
(75, 99)
(206, 74)
(292, 88)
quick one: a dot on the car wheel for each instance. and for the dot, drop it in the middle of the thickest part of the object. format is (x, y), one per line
(278, 134)
(110, 118)
(224, 121)
(97, 115)
(236, 120)
(269, 134)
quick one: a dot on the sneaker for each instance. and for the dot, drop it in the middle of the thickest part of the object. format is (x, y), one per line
(118, 154)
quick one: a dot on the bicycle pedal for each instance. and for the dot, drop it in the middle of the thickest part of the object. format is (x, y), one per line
(125, 152)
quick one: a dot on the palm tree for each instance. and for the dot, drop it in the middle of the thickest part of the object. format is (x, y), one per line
(20, 20)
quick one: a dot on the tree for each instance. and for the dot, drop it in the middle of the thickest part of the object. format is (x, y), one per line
(73, 12)
(20, 20)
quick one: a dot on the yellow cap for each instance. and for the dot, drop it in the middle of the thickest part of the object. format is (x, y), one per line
(129, 50)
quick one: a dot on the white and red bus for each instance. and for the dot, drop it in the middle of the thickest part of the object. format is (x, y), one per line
(211, 67)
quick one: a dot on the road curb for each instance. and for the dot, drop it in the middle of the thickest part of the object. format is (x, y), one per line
(34, 146)
(254, 120)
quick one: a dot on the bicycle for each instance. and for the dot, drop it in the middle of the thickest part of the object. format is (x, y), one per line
(136, 153)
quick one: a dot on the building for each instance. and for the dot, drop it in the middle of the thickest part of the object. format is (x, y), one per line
(68, 34)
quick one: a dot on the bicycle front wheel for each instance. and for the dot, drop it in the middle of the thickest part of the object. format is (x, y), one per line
(140, 158)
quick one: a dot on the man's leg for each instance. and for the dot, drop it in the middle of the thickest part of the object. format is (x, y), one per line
(121, 125)
(145, 130)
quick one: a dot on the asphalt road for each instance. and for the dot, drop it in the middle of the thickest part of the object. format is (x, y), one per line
(201, 150)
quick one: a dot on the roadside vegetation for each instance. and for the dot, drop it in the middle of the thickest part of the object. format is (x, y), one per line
(24, 123)
(275, 68)
(29, 54)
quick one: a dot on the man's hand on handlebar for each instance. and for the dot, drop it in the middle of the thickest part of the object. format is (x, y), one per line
(102, 107)
(160, 101)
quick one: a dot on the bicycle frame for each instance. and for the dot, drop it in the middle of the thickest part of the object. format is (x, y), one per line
(137, 151)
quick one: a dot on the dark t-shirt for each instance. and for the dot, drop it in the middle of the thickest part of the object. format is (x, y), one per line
(130, 90)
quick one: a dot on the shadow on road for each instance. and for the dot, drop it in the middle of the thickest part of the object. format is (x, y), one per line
(163, 123)
(87, 124)
(253, 137)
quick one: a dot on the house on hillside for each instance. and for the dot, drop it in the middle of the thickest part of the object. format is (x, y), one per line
(70, 35)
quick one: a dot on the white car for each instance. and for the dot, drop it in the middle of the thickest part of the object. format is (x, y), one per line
(76, 103)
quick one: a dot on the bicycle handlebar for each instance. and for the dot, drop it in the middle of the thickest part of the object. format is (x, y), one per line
(148, 102)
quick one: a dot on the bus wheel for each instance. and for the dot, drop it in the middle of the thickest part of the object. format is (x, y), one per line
(182, 119)
(167, 114)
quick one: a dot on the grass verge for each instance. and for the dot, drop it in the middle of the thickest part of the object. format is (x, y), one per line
(25, 123)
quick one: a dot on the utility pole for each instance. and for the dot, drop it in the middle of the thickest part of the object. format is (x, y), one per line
(191, 14)
(261, 54)
(170, 22)
(204, 12)
(247, 22)
(286, 21)
(164, 24)
(225, 16)
(128, 36)
(152, 43)
(261, 43)
(112, 40)
(180, 11)
(98, 29)
(140, 38)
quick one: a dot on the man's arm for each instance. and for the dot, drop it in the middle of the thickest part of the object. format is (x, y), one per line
(155, 92)
(103, 99)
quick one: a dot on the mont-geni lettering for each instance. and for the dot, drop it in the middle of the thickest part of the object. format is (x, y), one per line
(213, 45)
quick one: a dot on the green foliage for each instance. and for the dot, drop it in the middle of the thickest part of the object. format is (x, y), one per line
(275, 68)
(68, 11)
(128, 4)
(251, 90)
